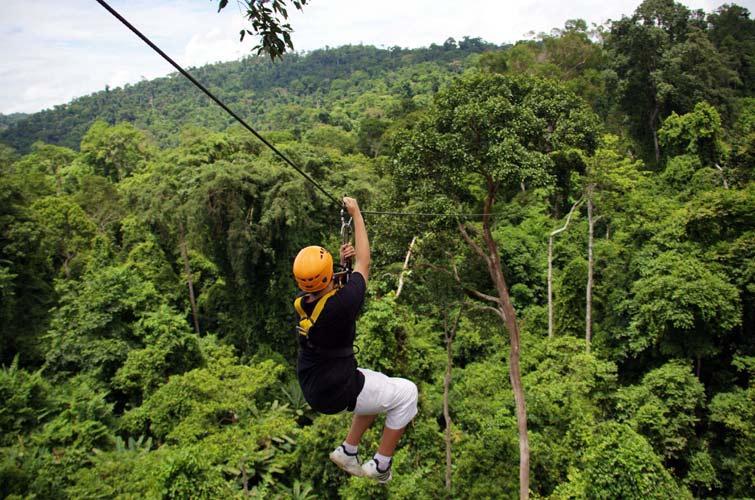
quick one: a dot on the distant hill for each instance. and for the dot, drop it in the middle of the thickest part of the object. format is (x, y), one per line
(8, 120)
(337, 82)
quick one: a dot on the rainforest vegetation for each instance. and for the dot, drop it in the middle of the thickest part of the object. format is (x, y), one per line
(147, 347)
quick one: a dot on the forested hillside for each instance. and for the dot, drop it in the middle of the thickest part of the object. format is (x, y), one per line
(7, 120)
(338, 87)
(146, 322)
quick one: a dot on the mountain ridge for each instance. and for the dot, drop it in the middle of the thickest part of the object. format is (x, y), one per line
(164, 105)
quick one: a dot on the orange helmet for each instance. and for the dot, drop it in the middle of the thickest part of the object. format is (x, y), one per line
(313, 268)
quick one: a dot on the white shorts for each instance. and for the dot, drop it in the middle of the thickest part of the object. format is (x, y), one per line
(396, 397)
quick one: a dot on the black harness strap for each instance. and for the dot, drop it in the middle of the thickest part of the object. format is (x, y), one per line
(338, 352)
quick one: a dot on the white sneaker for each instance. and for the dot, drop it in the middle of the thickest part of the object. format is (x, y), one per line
(371, 471)
(349, 463)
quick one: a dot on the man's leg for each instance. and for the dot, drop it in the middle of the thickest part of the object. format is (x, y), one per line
(345, 456)
(404, 397)
(359, 424)
(389, 440)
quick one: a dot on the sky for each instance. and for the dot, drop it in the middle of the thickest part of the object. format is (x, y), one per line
(52, 51)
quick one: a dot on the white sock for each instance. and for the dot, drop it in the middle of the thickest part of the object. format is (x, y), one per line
(383, 462)
(350, 448)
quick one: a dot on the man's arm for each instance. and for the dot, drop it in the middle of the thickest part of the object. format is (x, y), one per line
(362, 243)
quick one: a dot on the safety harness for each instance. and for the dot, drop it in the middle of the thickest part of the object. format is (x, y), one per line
(306, 322)
(340, 278)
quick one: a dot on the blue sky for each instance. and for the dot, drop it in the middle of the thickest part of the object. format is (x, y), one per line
(52, 51)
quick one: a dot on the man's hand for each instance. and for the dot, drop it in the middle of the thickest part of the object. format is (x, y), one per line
(351, 206)
(362, 242)
(347, 252)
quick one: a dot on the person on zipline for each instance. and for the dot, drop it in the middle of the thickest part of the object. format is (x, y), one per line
(327, 368)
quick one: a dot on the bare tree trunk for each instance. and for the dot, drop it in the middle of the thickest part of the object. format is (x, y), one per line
(550, 266)
(653, 117)
(723, 177)
(404, 269)
(590, 265)
(449, 337)
(66, 268)
(550, 286)
(509, 318)
(59, 181)
(506, 312)
(189, 280)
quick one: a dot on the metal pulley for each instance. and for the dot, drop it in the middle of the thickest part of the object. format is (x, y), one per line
(342, 276)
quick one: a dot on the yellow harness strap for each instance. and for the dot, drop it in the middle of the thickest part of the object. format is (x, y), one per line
(306, 322)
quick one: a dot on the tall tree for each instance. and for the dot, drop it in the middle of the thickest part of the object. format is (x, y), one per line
(665, 62)
(733, 33)
(115, 152)
(552, 235)
(485, 135)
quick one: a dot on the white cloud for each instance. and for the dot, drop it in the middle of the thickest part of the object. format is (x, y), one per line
(218, 44)
(121, 77)
(53, 51)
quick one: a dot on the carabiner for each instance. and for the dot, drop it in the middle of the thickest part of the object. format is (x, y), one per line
(346, 229)
(342, 277)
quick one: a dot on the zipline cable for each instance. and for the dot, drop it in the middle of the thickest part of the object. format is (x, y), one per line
(423, 214)
(212, 96)
(220, 103)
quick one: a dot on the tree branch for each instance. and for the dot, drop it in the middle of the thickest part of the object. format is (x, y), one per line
(723, 177)
(568, 218)
(406, 266)
(472, 243)
(490, 308)
(475, 294)
(470, 292)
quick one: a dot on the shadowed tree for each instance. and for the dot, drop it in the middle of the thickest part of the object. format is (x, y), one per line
(665, 63)
(115, 152)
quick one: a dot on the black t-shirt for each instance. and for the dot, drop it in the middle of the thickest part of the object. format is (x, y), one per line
(331, 384)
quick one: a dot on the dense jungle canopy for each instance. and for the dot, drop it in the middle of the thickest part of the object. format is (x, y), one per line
(146, 327)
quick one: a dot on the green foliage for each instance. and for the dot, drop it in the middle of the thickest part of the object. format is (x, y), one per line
(735, 412)
(665, 62)
(696, 133)
(331, 86)
(65, 232)
(664, 408)
(115, 152)
(170, 347)
(493, 453)
(107, 390)
(273, 31)
(333, 137)
(733, 33)
(25, 272)
(681, 304)
(619, 463)
(82, 421)
(24, 401)
(680, 172)
(569, 290)
(382, 336)
(92, 327)
(567, 392)
(501, 132)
